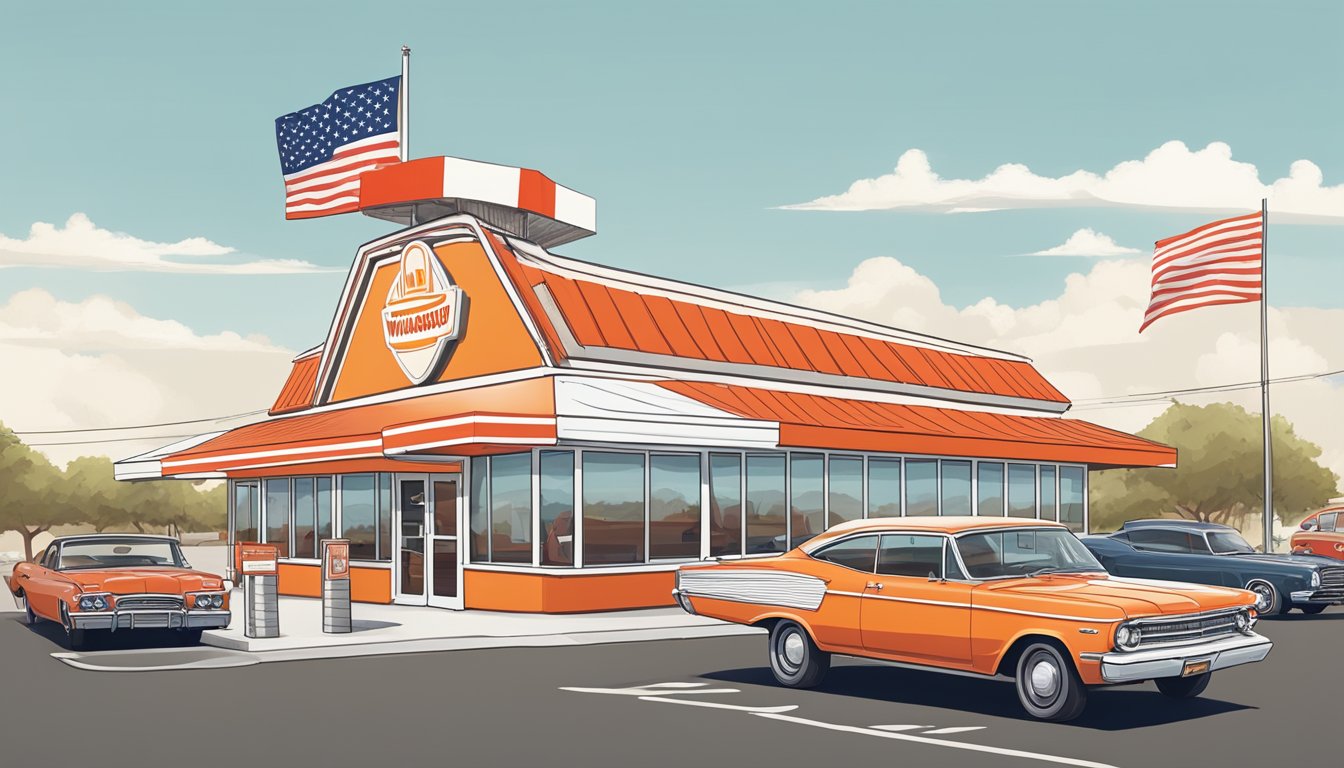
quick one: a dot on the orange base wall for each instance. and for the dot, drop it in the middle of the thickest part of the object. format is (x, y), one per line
(542, 593)
(367, 585)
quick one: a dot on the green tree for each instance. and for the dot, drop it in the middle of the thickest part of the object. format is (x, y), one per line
(98, 493)
(34, 497)
(1219, 475)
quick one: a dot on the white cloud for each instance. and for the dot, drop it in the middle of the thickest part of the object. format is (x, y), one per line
(82, 244)
(99, 363)
(1087, 242)
(1086, 342)
(1171, 176)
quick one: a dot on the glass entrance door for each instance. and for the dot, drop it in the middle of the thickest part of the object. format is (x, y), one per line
(427, 566)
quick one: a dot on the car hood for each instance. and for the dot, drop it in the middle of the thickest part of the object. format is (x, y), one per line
(134, 581)
(1309, 561)
(1135, 597)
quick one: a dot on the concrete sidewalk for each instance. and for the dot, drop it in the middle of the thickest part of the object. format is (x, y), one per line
(392, 629)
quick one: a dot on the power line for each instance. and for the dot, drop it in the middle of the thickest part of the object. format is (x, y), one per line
(135, 426)
(1168, 394)
(109, 440)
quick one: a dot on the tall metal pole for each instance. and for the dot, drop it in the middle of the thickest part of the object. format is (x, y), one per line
(1264, 375)
(404, 107)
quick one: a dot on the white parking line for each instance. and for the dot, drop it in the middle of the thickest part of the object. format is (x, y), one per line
(959, 729)
(716, 705)
(936, 742)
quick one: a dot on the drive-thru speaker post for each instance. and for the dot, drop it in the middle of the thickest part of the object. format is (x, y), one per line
(335, 585)
(257, 564)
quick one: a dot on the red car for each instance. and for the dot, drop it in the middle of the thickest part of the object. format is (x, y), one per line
(118, 582)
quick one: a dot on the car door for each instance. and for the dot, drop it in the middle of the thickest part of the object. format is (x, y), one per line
(910, 610)
(41, 587)
(847, 565)
(1325, 539)
(1171, 554)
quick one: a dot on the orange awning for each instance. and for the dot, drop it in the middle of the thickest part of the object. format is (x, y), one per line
(834, 423)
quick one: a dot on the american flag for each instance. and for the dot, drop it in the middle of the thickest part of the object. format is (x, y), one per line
(1218, 263)
(324, 148)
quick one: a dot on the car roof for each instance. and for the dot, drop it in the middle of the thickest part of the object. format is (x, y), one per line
(96, 536)
(1189, 525)
(948, 525)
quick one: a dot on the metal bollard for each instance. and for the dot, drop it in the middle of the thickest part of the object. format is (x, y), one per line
(336, 586)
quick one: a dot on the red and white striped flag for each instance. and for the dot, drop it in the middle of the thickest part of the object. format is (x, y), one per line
(1218, 263)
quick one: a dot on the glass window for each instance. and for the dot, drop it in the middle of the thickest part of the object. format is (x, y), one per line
(1072, 491)
(1022, 490)
(1049, 509)
(884, 487)
(766, 521)
(989, 479)
(858, 553)
(511, 508)
(277, 513)
(1019, 553)
(956, 487)
(325, 506)
(725, 504)
(246, 512)
(951, 570)
(557, 508)
(845, 500)
(904, 554)
(1162, 540)
(921, 487)
(807, 512)
(613, 508)
(385, 516)
(1229, 542)
(1328, 521)
(479, 511)
(305, 518)
(359, 518)
(674, 506)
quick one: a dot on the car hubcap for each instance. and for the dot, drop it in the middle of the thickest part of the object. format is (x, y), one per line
(1263, 597)
(1044, 679)
(793, 648)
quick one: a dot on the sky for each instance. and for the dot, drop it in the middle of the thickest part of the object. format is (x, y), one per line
(143, 243)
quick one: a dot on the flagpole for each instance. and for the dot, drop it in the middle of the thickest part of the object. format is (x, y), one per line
(1264, 375)
(404, 105)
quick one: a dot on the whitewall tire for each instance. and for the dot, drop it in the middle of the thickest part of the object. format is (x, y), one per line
(795, 660)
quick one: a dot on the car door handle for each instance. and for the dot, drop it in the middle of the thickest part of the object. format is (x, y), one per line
(23, 576)
(874, 585)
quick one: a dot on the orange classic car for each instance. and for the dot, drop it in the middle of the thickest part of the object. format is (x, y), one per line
(1321, 534)
(119, 582)
(1014, 599)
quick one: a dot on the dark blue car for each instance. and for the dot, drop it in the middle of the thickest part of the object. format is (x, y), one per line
(1207, 553)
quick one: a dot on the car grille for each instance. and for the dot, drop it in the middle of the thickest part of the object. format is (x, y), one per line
(151, 602)
(1186, 629)
(1332, 578)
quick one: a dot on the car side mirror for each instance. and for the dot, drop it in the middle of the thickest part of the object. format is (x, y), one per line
(1309, 525)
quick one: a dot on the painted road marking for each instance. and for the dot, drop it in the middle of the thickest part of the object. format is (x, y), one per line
(716, 705)
(935, 742)
(960, 729)
(657, 689)
(901, 727)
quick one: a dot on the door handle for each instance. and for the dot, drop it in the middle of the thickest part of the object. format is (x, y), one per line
(874, 585)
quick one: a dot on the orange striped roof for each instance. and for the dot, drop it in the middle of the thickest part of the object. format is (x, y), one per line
(297, 393)
(815, 421)
(599, 314)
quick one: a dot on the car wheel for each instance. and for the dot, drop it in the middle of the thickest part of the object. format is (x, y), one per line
(1048, 686)
(796, 661)
(1311, 609)
(1269, 597)
(29, 617)
(1184, 687)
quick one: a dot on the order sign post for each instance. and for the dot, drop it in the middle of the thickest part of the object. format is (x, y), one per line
(336, 585)
(258, 564)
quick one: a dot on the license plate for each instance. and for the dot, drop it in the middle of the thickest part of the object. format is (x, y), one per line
(1195, 668)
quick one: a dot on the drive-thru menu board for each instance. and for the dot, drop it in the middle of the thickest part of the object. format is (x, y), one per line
(255, 559)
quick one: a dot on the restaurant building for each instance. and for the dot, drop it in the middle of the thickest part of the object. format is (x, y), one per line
(496, 426)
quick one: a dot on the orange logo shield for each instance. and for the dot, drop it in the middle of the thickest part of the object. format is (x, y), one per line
(423, 313)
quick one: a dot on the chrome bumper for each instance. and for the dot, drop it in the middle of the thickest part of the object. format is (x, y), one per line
(150, 619)
(1319, 596)
(1133, 666)
(684, 601)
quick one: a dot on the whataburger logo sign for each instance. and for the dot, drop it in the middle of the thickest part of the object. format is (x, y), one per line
(424, 313)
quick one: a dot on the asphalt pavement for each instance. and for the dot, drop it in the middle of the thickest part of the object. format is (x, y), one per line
(702, 702)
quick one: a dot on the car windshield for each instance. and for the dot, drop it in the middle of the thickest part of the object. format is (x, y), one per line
(118, 553)
(1024, 553)
(1228, 543)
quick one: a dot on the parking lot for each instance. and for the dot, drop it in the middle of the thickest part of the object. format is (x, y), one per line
(706, 702)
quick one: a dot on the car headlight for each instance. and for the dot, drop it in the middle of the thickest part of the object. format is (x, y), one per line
(93, 602)
(1315, 579)
(1245, 622)
(1128, 637)
(209, 601)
